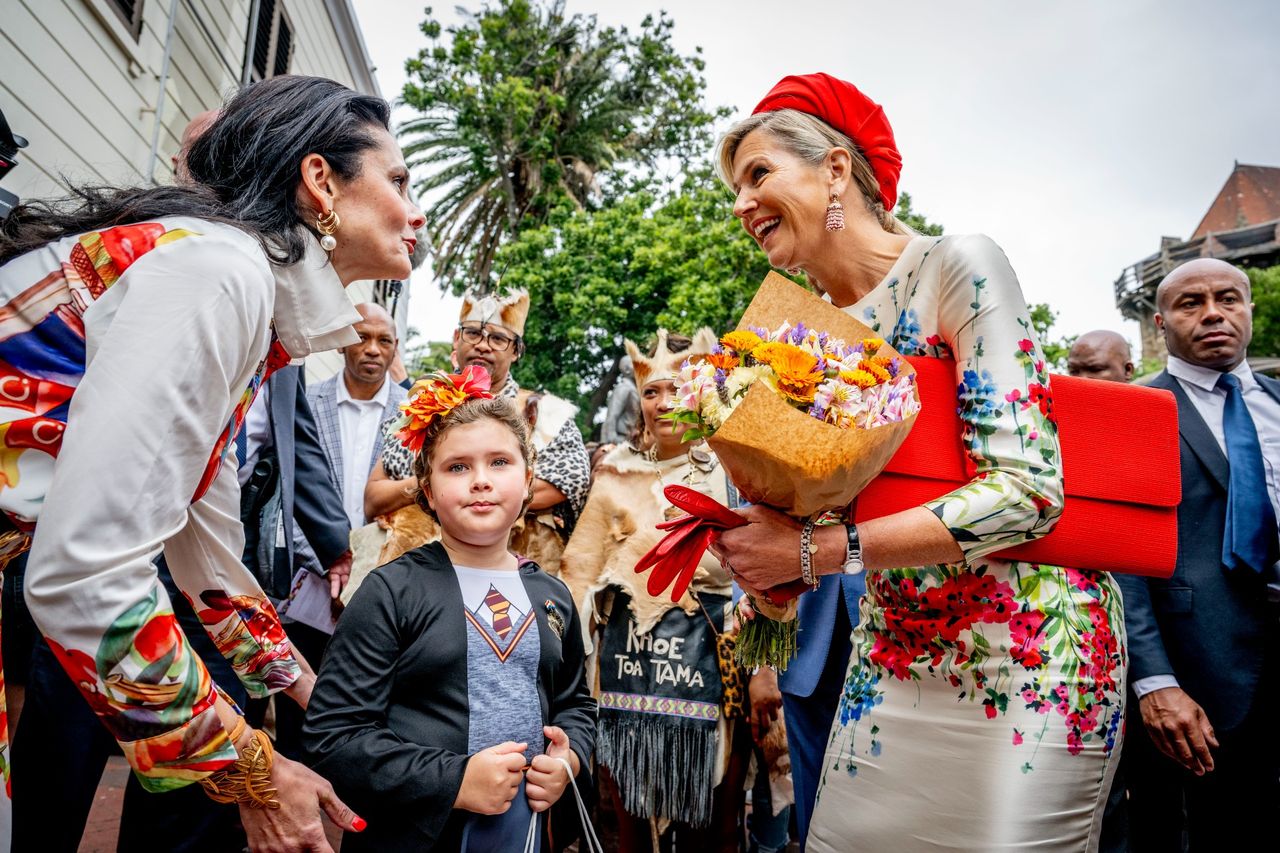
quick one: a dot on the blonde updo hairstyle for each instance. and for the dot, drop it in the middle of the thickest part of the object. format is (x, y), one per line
(809, 138)
(472, 411)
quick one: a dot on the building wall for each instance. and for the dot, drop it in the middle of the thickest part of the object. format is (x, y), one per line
(83, 90)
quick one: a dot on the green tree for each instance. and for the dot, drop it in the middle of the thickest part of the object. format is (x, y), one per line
(1055, 351)
(422, 357)
(1265, 283)
(916, 220)
(679, 260)
(526, 111)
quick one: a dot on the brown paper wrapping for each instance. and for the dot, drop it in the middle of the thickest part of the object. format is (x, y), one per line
(780, 456)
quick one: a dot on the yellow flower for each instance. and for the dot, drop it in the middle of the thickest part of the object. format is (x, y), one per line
(872, 344)
(741, 341)
(857, 377)
(768, 353)
(875, 370)
(798, 374)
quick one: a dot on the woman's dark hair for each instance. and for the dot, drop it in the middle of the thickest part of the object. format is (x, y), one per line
(245, 169)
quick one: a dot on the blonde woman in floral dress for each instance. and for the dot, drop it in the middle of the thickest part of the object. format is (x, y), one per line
(983, 704)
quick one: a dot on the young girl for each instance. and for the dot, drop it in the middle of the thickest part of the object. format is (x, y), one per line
(454, 682)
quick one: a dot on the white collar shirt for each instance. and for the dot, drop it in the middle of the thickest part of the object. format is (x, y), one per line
(358, 424)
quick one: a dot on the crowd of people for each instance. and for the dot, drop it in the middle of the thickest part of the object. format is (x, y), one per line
(408, 605)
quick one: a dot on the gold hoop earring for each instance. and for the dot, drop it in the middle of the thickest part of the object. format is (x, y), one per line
(327, 224)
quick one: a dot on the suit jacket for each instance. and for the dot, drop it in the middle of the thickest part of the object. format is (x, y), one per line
(817, 617)
(388, 721)
(1205, 625)
(323, 399)
(307, 495)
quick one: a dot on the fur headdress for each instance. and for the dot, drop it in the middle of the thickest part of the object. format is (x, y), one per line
(665, 364)
(509, 311)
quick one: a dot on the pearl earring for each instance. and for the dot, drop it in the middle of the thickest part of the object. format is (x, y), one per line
(327, 225)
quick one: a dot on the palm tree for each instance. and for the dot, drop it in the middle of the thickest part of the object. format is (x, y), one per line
(528, 110)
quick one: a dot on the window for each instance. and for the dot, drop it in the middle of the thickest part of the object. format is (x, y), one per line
(272, 41)
(130, 12)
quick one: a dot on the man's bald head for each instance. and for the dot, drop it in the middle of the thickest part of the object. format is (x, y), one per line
(194, 129)
(1203, 309)
(1101, 354)
(1198, 269)
(372, 312)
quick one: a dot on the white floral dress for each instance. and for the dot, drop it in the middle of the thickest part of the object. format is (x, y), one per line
(983, 706)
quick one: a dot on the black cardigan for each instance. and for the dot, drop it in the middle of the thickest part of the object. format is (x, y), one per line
(387, 723)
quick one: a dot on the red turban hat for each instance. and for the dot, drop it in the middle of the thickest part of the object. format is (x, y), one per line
(842, 106)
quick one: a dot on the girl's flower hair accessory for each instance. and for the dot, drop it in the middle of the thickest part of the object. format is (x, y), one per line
(433, 397)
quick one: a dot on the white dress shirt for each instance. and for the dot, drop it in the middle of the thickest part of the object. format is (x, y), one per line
(1201, 386)
(358, 423)
(257, 430)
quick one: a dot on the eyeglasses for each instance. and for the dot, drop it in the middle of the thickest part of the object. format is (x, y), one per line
(498, 342)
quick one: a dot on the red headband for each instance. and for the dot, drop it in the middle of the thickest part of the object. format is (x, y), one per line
(842, 106)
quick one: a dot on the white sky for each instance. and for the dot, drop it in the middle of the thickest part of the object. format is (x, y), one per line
(1074, 133)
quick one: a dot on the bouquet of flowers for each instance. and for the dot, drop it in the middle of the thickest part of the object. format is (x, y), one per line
(804, 406)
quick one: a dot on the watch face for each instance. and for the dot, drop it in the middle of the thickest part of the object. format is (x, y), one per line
(853, 566)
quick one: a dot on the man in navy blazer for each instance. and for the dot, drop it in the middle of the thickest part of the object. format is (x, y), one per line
(1203, 644)
(812, 684)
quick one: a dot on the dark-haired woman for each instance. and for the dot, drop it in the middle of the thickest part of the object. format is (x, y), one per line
(162, 310)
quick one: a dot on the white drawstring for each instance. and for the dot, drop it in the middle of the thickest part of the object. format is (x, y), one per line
(588, 832)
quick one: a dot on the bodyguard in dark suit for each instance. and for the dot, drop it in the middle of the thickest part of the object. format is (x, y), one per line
(285, 481)
(284, 478)
(1203, 645)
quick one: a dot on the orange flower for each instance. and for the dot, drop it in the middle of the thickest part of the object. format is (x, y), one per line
(741, 341)
(858, 377)
(768, 353)
(436, 395)
(722, 360)
(798, 374)
(875, 370)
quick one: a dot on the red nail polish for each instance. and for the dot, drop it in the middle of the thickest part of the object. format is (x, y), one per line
(359, 824)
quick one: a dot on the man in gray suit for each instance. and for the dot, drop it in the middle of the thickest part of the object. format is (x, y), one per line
(1204, 649)
(352, 406)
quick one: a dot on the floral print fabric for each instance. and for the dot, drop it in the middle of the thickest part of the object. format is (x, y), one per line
(984, 686)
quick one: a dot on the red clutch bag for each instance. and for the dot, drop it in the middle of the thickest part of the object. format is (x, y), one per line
(1120, 471)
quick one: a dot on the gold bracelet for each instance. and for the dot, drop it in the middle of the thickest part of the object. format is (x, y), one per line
(248, 780)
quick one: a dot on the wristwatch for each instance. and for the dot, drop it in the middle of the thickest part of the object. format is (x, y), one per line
(852, 551)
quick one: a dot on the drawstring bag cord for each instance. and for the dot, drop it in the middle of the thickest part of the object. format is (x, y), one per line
(588, 833)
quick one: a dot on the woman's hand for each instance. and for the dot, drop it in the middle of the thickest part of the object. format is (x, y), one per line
(546, 780)
(492, 779)
(766, 552)
(297, 824)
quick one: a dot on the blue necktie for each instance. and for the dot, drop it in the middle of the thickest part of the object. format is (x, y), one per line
(1250, 535)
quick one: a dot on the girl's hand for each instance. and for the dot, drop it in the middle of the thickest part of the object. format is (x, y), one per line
(492, 779)
(546, 780)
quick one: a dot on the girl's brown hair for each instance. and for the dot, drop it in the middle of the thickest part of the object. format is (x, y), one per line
(497, 409)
